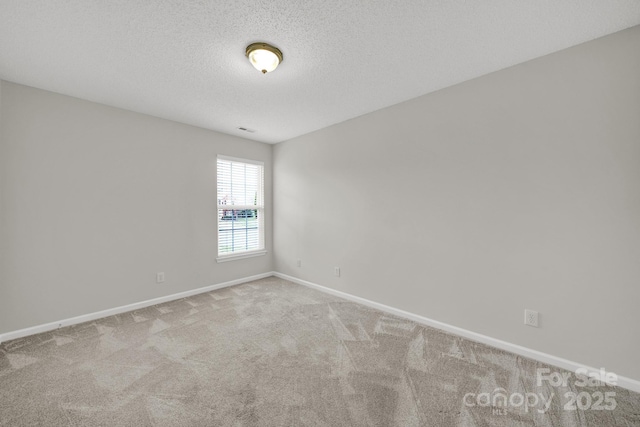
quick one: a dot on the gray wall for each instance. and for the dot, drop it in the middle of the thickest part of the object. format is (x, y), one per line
(519, 189)
(95, 200)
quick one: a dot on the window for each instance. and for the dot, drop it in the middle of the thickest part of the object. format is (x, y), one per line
(240, 208)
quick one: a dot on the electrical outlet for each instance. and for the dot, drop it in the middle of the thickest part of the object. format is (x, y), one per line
(299, 263)
(336, 271)
(531, 318)
(160, 277)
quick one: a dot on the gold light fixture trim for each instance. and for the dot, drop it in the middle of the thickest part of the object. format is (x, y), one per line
(264, 57)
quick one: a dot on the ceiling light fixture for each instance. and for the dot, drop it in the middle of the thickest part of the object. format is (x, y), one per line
(264, 57)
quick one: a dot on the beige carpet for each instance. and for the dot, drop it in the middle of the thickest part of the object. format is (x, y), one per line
(272, 353)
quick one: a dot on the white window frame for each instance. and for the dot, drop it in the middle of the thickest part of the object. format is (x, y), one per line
(260, 207)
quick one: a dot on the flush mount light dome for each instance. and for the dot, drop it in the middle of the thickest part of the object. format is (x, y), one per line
(264, 57)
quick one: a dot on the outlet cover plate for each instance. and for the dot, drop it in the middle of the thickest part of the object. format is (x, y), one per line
(531, 318)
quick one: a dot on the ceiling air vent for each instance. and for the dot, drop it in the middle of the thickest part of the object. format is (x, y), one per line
(247, 130)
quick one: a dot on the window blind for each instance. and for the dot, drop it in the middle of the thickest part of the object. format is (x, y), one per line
(240, 206)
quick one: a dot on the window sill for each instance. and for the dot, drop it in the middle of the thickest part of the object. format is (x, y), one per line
(242, 255)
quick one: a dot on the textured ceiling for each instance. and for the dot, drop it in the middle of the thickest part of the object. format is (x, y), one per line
(184, 60)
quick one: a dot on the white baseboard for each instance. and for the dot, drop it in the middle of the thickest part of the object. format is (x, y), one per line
(624, 382)
(123, 309)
